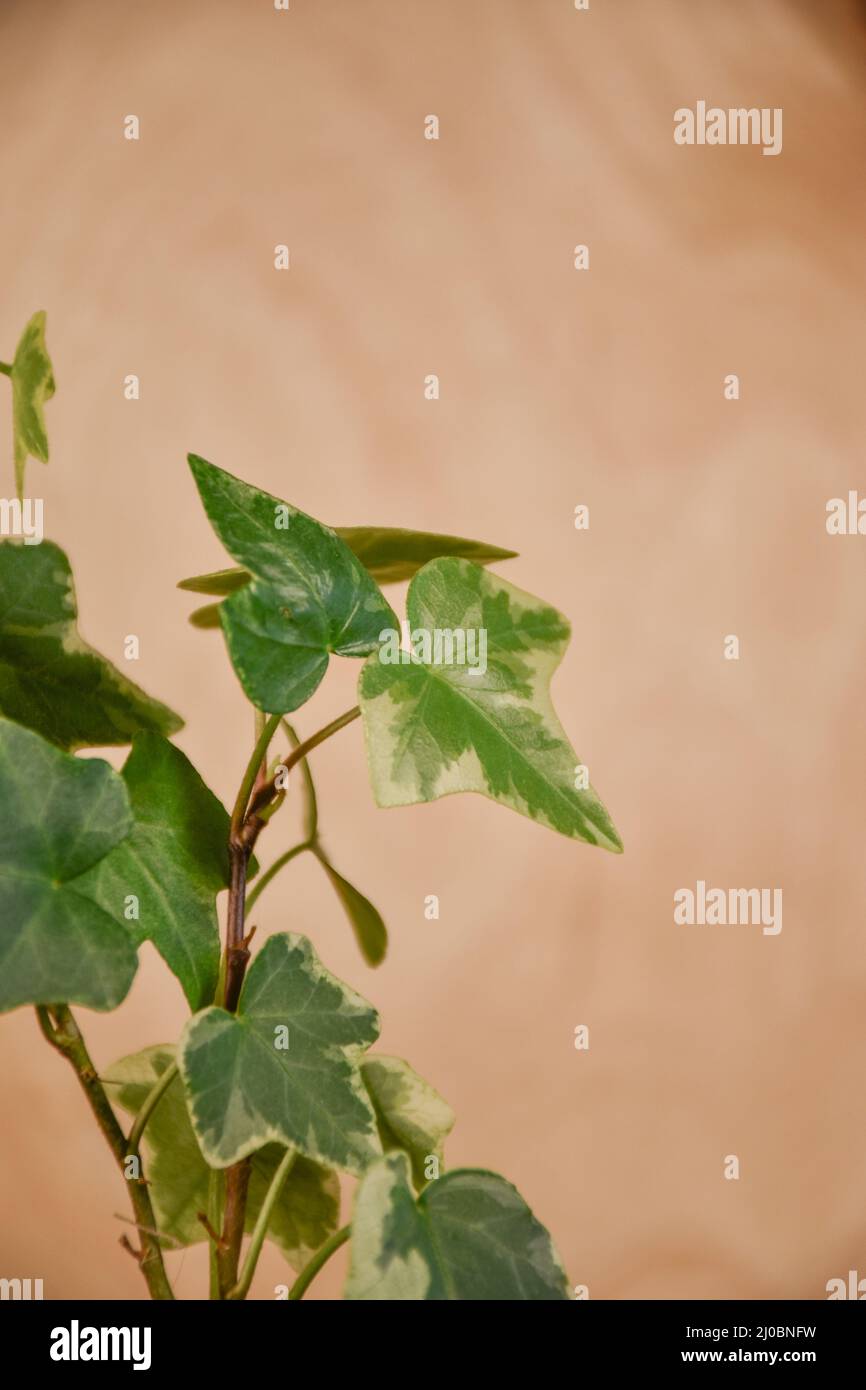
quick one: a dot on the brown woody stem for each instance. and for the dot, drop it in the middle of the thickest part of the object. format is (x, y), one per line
(61, 1030)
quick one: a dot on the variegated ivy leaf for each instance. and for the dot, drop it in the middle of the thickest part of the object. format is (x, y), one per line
(469, 1236)
(307, 1210)
(412, 1115)
(469, 708)
(285, 1068)
(32, 385)
(389, 553)
(163, 879)
(60, 815)
(309, 595)
(50, 680)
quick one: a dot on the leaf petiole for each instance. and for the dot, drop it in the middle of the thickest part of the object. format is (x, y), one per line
(321, 1257)
(260, 1230)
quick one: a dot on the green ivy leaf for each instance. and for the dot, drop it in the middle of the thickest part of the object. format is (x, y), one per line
(247, 1089)
(208, 616)
(412, 1116)
(32, 385)
(433, 728)
(174, 862)
(392, 553)
(469, 1236)
(60, 815)
(307, 1211)
(366, 921)
(389, 553)
(50, 680)
(309, 596)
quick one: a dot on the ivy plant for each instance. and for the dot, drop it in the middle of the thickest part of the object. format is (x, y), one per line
(238, 1131)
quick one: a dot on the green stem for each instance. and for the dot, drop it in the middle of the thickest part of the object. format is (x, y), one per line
(6, 368)
(321, 1257)
(63, 1034)
(249, 777)
(215, 1217)
(270, 873)
(260, 1230)
(311, 805)
(266, 793)
(154, 1096)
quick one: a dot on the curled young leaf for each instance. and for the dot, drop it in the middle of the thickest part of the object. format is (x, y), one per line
(60, 816)
(469, 1235)
(366, 920)
(50, 680)
(32, 385)
(469, 707)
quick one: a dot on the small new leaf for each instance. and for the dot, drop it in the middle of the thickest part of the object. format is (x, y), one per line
(285, 1068)
(436, 725)
(469, 1235)
(50, 680)
(366, 920)
(389, 553)
(60, 816)
(32, 385)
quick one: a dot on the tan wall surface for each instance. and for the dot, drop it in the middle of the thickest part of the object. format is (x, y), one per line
(707, 518)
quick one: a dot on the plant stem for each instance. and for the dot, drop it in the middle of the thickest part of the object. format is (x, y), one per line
(321, 1257)
(214, 1213)
(270, 873)
(5, 368)
(311, 805)
(266, 793)
(229, 1250)
(152, 1100)
(64, 1035)
(260, 1230)
(252, 768)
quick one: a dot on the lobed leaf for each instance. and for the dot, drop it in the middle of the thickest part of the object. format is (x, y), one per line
(50, 680)
(469, 1236)
(246, 1089)
(412, 1116)
(174, 862)
(309, 596)
(307, 1210)
(61, 815)
(434, 727)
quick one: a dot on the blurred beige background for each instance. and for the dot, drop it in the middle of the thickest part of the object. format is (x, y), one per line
(707, 517)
